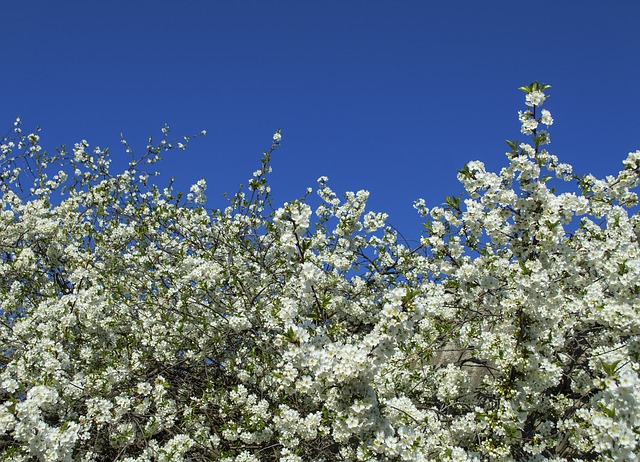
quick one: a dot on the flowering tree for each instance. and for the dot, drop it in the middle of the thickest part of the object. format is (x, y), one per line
(137, 325)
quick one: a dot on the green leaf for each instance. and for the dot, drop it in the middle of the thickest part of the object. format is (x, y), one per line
(610, 368)
(511, 431)
(453, 202)
(428, 226)
(465, 171)
(451, 285)
(552, 225)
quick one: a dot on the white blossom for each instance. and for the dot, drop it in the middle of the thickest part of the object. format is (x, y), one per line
(140, 326)
(535, 98)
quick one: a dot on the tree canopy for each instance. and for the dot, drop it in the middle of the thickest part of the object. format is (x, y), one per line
(139, 325)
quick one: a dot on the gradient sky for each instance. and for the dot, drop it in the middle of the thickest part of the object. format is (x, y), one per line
(389, 96)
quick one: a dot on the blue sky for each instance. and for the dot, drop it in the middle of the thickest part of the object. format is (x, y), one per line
(389, 96)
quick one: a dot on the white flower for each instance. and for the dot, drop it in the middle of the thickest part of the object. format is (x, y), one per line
(543, 137)
(144, 388)
(535, 98)
(524, 116)
(546, 118)
(9, 385)
(528, 126)
(196, 193)
(277, 137)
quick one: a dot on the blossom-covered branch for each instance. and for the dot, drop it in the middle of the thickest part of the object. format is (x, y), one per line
(138, 325)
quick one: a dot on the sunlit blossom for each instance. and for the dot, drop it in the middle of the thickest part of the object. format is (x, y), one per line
(139, 325)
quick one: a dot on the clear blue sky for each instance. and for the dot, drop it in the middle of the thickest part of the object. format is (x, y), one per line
(389, 96)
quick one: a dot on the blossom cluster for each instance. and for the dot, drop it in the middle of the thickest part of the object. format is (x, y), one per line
(139, 326)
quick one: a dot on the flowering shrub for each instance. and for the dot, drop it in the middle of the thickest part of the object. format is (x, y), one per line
(137, 325)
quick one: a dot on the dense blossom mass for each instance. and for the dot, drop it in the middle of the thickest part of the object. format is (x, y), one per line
(138, 325)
